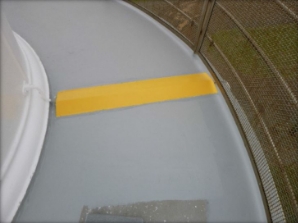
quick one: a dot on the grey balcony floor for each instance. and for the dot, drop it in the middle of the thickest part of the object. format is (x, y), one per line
(179, 150)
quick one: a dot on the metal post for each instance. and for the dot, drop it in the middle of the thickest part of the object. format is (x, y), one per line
(207, 11)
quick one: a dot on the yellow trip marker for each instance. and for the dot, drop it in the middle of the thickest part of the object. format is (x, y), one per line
(91, 99)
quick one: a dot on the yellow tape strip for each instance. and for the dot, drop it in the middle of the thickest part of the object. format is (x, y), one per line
(91, 99)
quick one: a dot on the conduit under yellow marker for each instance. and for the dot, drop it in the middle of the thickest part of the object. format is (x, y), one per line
(91, 99)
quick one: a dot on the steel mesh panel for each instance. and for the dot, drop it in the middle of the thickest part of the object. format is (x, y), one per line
(181, 15)
(236, 33)
(252, 45)
(263, 19)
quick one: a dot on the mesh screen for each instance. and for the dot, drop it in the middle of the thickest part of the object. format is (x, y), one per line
(252, 46)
